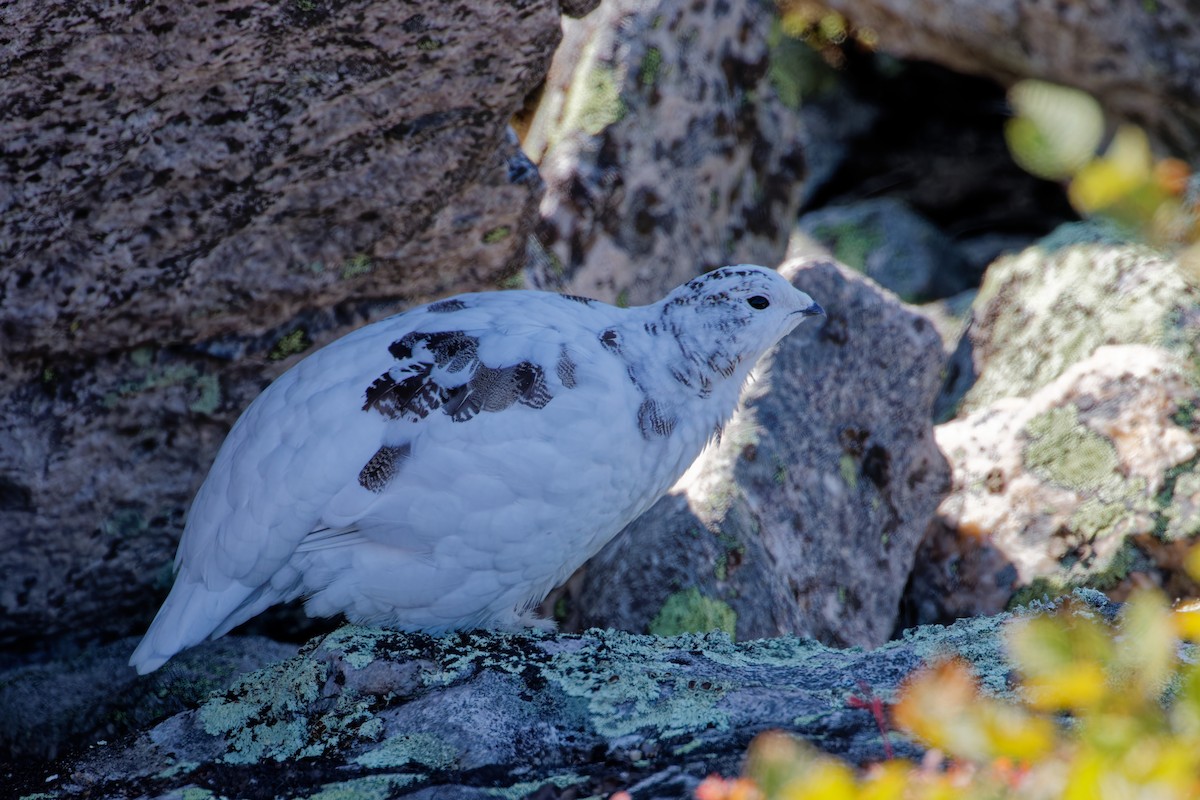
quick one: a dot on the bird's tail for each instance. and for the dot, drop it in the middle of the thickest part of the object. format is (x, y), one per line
(190, 614)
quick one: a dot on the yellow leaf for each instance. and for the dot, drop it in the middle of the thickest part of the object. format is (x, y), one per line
(1187, 623)
(1125, 166)
(1071, 688)
(1192, 563)
(1049, 645)
(1145, 657)
(826, 780)
(1014, 734)
(887, 781)
(1055, 129)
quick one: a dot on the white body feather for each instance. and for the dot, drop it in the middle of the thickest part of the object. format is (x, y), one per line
(473, 519)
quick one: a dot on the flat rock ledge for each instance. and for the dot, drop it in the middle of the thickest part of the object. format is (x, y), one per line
(369, 713)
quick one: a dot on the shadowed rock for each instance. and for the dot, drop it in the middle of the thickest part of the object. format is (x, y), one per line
(806, 518)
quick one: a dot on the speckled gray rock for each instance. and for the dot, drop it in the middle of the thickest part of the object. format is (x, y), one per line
(369, 713)
(806, 518)
(1050, 306)
(177, 172)
(189, 196)
(893, 245)
(1140, 60)
(668, 148)
(1091, 481)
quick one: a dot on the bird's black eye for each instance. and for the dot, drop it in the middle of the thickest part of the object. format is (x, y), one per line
(758, 301)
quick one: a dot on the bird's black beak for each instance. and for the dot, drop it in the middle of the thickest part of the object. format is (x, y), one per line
(812, 311)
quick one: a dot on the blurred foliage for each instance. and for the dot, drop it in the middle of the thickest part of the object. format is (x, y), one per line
(1057, 133)
(825, 31)
(1106, 712)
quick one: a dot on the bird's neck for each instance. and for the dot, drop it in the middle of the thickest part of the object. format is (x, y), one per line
(693, 380)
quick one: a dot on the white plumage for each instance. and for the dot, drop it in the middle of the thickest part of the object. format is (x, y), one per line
(447, 467)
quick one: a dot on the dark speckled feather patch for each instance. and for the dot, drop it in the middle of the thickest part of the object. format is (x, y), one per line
(383, 466)
(410, 391)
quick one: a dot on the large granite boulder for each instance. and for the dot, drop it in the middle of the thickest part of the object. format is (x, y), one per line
(1094, 480)
(190, 195)
(668, 150)
(1075, 447)
(806, 517)
(1140, 60)
(1049, 307)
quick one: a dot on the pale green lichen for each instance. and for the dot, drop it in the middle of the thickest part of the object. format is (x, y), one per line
(651, 66)
(125, 523)
(1064, 451)
(596, 103)
(357, 266)
(1068, 453)
(209, 395)
(528, 788)
(264, 715)
(1178, 502)
(206, 387)
(497, 234)
(141, 357)
(370, 787)
(690, 611)
(179, 768)
(848, 469)
(296, 341)
(410, 748)
(851, 242)
(1096, 519)
(196, 793)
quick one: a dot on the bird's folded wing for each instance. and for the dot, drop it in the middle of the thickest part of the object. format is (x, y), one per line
(320, 446)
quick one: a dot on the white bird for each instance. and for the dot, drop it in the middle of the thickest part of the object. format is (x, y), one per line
(445, 468)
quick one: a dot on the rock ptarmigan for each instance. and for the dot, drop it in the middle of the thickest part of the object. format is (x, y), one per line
(447, 467)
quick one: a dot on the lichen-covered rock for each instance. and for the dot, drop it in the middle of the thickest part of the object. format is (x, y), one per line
(371, 713)
(893, 245)
(669, 150)
(190, 196)
(1049, 307)
(1093, 480)
(806, 517)
(1140, 60)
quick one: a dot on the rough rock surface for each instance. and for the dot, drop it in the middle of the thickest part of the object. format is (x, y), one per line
(1051, 306)
(1093, 480)
(1140, 60)
(50, 708)
(894, 246)
(806, 517)
(172, 171)
(188, 196)
(672, 153)
(370, 713)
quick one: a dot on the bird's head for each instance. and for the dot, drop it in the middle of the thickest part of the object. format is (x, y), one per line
(730, 317)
